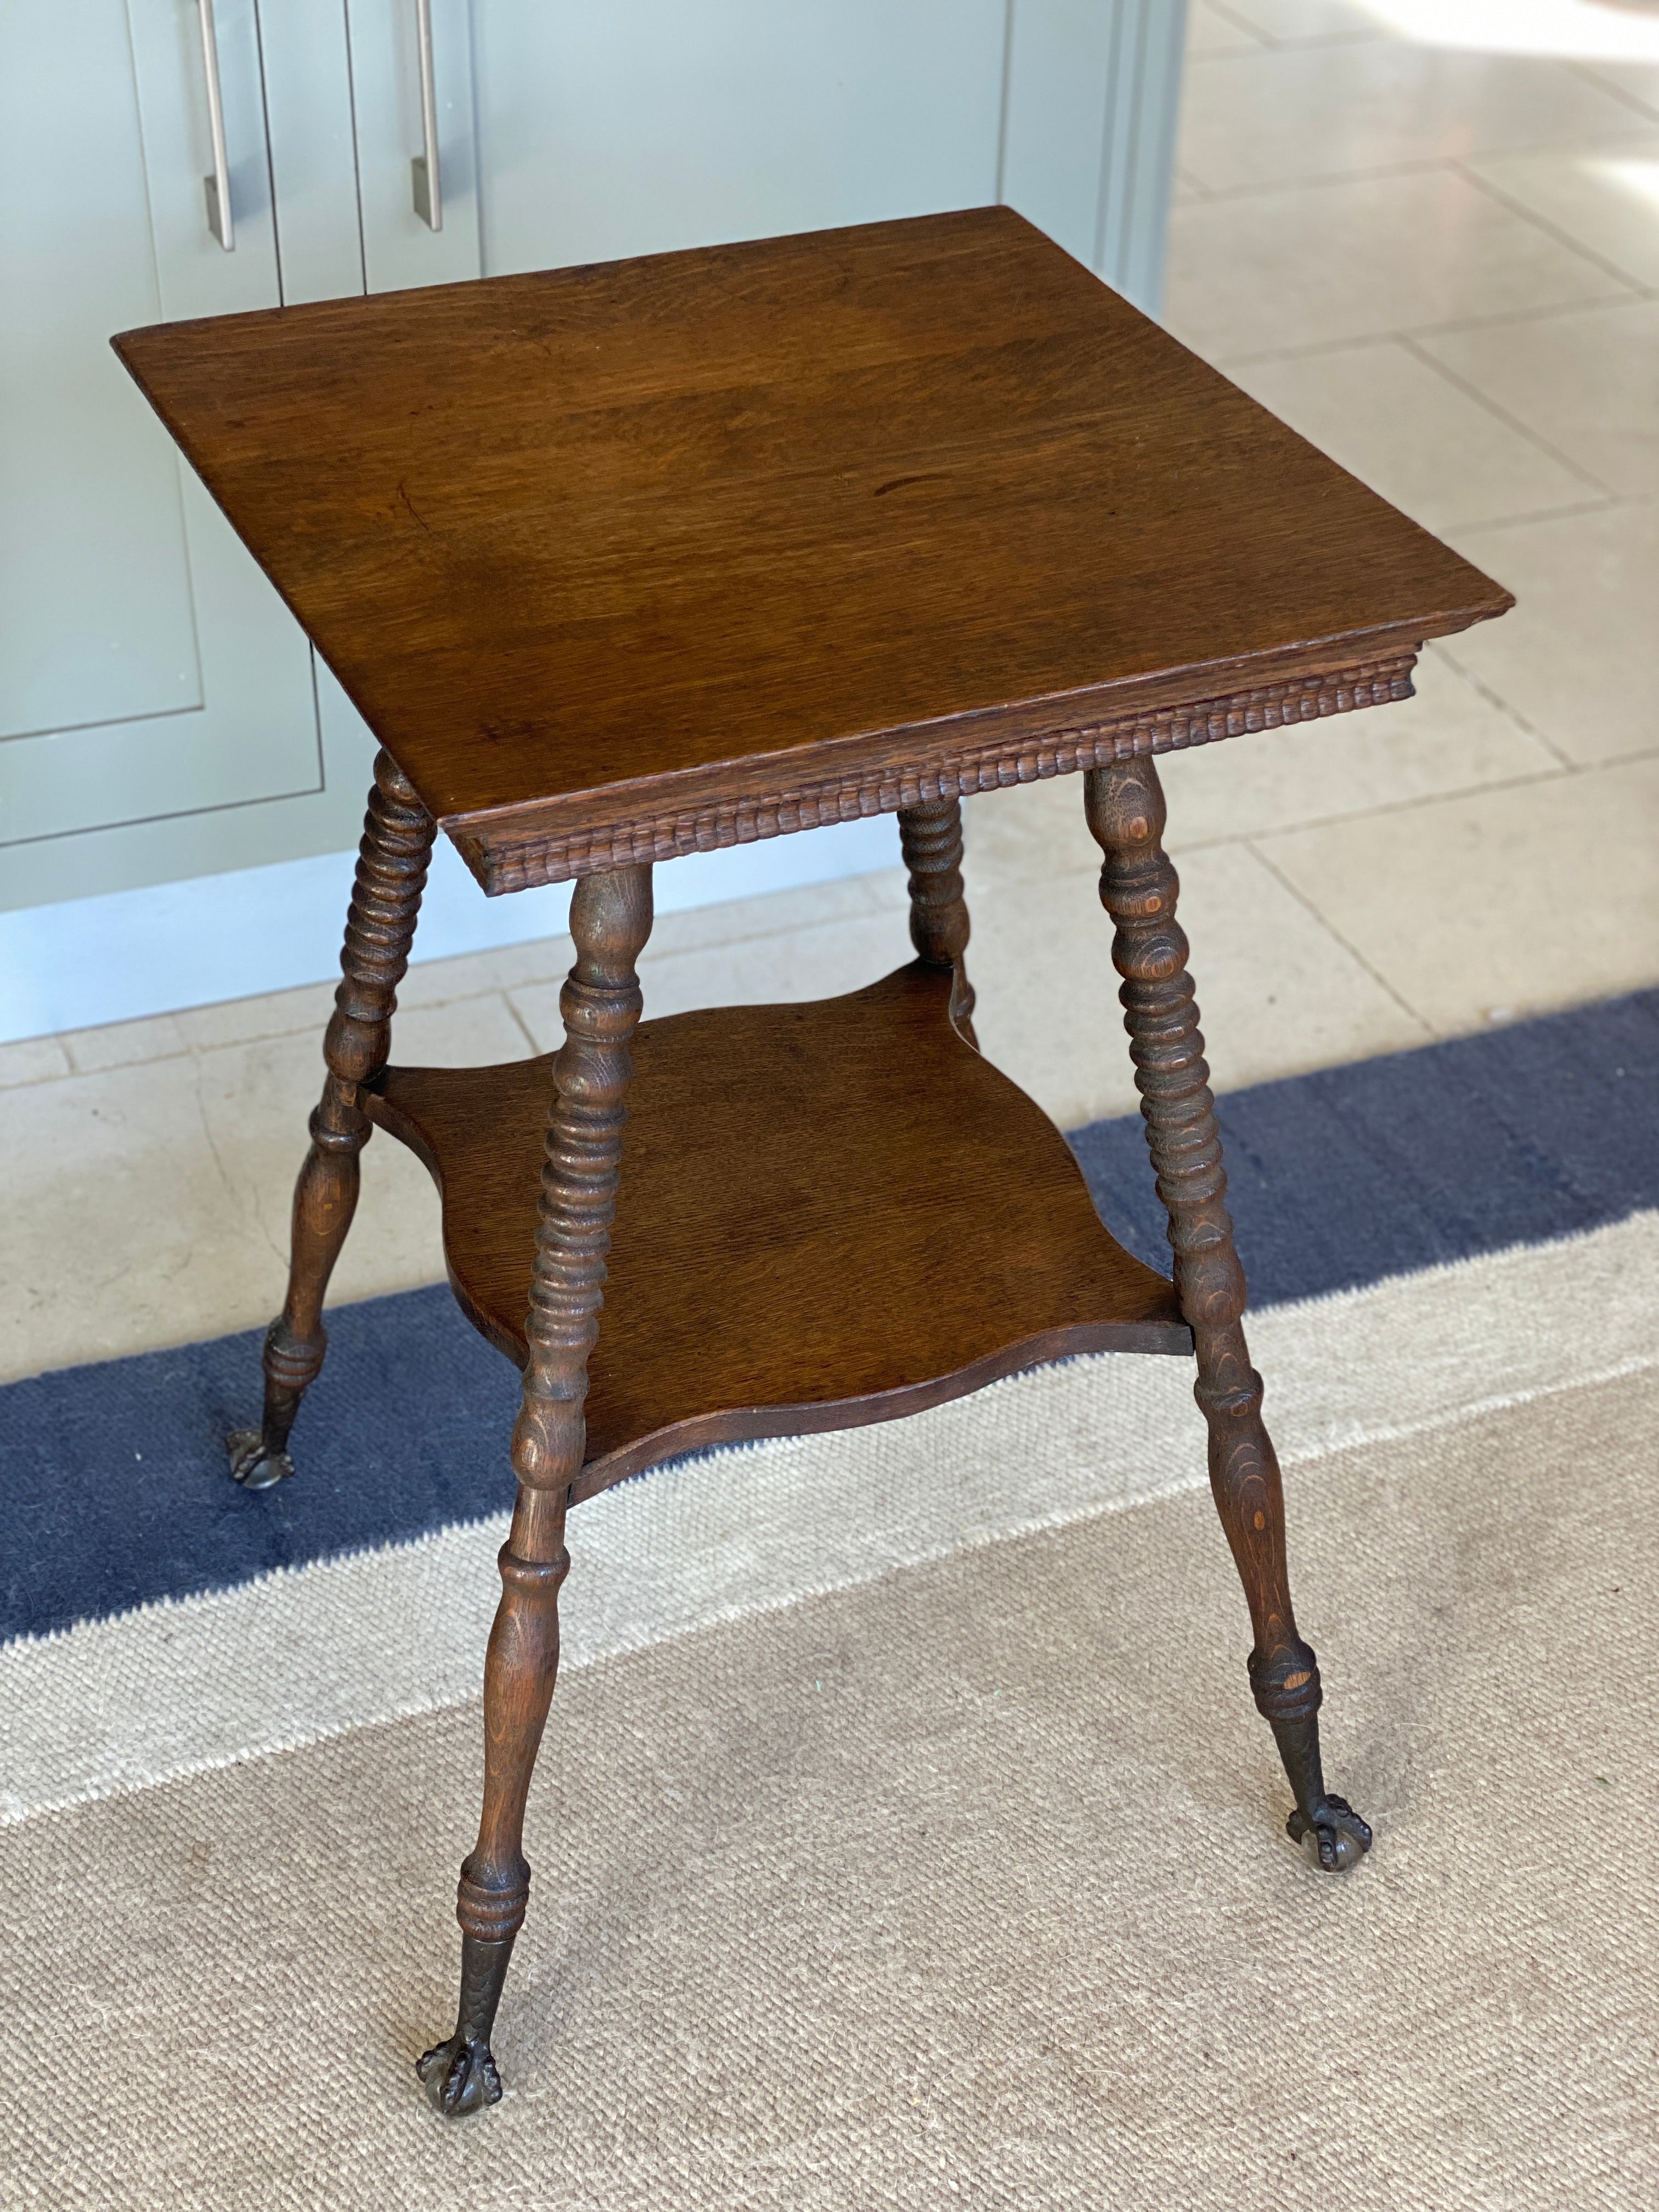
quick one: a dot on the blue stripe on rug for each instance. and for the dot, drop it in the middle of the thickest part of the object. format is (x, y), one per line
(1385, 1166)
(114, 1488)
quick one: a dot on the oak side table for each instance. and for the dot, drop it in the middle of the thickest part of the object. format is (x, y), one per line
(632, 561)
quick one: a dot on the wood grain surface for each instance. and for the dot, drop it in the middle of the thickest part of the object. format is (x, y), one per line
(829, 1213)
(654, 541)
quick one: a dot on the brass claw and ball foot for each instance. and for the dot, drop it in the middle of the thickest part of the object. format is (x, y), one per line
(253, 1463)
(460, 2075)
(258, 1457)
(1333, 1836)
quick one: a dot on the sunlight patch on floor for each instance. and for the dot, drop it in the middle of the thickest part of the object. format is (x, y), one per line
(1640, 179)
(1582, 30)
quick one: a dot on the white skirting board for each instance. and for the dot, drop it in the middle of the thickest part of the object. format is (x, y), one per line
(84, 962)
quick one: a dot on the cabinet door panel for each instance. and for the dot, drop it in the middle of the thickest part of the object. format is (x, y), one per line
(154, 671)
(313, 157)
(1089, 130)
(255, 739)
(95, 579)
(399, 248)
(650, 124)
(197, 276)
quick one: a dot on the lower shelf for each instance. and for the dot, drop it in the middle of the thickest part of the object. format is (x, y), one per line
(830, 1213)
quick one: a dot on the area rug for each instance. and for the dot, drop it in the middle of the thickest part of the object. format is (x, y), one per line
(905, 1833)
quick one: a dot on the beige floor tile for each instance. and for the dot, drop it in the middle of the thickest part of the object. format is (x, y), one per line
(437, 982)
(1366, 257)
(304, 1010)
(820, 962)
(1511, 903)
(1293, 21)
(255, 1102)
(1638, 80)
(1587, 381)
(125, 1044)
(434, 984)
(287, 1013)
(121, 1232)
(703, 928)
(1449, 738)
(476, 974)
(1575, 659)
(1340, 110)
(1413, 435)
(150, 1203)
(1024, 835)
(241, 1021)
(1210, 31)
(1605, 198)
(32, 1059)
(1278, 994)
(812, 906)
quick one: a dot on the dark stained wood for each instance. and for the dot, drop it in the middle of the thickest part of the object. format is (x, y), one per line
(631, 561)
(624, 560)
(391, 864)
(829, 1213)
(930, 838)
(636, 823)
(582, 1117)
(1139, 888)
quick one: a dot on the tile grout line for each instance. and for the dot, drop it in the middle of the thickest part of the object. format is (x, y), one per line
(247, 1212)
(1431, 1034)
(1565, 513)
(1263, 43)
(1507, 318)
(1578, 67)
(1495, 698)
(553, 979)
(522, 1025)
(1270, 43)
(1513, 422)
(1425, 165)
(1389, 806)
(1543, 225)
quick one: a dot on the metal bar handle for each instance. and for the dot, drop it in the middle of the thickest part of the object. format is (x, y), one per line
(219, 221)
(423, 169)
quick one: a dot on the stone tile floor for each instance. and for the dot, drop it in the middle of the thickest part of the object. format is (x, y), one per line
(1428, 236)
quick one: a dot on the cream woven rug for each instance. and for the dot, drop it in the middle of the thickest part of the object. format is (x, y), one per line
(964, 1885)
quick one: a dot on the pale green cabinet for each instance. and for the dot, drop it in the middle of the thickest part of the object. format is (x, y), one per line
(160, 715)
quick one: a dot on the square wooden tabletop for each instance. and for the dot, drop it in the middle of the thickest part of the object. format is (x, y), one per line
(632, 559)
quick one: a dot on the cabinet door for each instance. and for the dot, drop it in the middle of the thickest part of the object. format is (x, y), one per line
(147, 669)
(401, 247)
(644, 126)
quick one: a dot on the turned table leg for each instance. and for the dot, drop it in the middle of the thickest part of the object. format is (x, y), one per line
(391, 866)
(930, 837)
(1137, 888)
(609, 920)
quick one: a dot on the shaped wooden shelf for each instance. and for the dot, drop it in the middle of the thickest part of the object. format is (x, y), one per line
(830, 1213)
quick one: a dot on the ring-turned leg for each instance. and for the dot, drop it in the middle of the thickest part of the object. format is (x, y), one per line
(609, 920)
(385, 899)
(1137, 888)
(931, 838)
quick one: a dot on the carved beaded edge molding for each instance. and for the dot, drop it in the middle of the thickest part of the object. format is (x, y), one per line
(517, 863)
